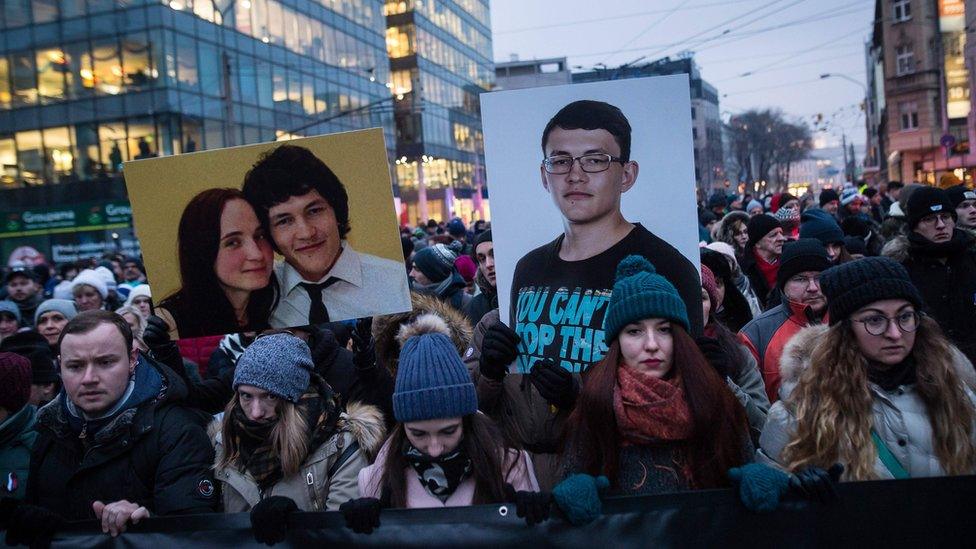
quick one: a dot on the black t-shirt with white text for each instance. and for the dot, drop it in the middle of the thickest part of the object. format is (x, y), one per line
(558, 306)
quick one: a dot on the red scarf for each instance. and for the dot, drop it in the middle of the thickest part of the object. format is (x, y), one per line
(767, 269)
(650, 409)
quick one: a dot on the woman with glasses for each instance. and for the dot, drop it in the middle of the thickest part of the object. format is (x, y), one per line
(881, 391)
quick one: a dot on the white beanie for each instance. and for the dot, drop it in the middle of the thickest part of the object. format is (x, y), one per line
(93, 279)
(62, 290)
(142, 290)
(108, 277)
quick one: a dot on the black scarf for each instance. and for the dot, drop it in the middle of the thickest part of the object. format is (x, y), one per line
(892, 377)
(490, 292)
(258, 456)
(923, 247)
(441, 475)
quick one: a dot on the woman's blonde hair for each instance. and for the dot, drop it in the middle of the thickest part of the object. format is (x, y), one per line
(289, 437)
(833, 405)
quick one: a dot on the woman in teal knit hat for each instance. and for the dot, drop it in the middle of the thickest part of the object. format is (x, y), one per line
(677, 424)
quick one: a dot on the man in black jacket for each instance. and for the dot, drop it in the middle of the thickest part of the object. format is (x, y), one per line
(942, 263)
(115, 445)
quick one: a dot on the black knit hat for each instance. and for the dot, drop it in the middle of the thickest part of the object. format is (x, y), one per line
(483, 237)
(852, 285)
(805, 254)
(959, 193)
(827, 196)
(927, 201)
(820, 225)
(761, 225)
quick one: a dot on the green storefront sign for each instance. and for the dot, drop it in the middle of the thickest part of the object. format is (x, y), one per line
(90, 216)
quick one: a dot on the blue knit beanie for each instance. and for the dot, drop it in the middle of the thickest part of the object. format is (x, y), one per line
(277, 363)
(639, 293)
(820, 225)
(10, 308)
(431, 381)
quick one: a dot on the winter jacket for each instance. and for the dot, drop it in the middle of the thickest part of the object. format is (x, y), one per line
(749, 389)
(521, 476)
(386, 327)
(766, 335)
(327, 478)
(516, 406)
(156, 454)
(949, 287)
(17, 436)
(900, 417)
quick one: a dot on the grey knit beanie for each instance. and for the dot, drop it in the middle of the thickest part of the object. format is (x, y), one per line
(63, 306)
(277, 363)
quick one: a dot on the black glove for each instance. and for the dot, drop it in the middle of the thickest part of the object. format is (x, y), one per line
(499, 348)
(362, 515)
(324, 347)
(156, 338)
(269, 519)
(532, 506)
(715, 355)
(33, 526)
(555, 383)
(815, 484)
(363, 345)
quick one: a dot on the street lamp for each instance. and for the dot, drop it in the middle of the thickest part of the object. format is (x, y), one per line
(845, 77)
(864, 87)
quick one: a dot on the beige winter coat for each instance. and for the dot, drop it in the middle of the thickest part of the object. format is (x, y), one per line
(312, 488)
(900, 417)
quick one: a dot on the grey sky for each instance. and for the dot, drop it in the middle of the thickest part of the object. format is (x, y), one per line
(785, 45)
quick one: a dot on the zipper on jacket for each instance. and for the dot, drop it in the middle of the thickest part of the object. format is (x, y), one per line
(313, 495)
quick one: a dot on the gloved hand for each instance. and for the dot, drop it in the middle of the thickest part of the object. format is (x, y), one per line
(499, 348)
(555, 383)
(760, 486)
(815, 484)
(578, 497)
(269, 519)
(324, 347)
(363, 345)
(33, 526)
(532, 506)
(362, 515)
(715, 355)
(156, 333)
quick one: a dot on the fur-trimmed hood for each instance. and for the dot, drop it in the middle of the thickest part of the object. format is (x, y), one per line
(365, 423)
(896, 248)
(796, 359)
(386, 328)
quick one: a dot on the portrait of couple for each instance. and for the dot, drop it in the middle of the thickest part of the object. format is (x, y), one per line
(292, 205)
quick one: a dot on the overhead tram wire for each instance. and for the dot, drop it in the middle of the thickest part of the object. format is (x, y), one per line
(648, 28)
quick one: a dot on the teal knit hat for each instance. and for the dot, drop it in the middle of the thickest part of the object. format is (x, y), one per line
(639, 293)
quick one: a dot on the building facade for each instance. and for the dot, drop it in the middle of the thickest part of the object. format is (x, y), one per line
(86, 85)
(875, 109)
(706, 122)
(927, 119)
(515, 74)
(440, 62)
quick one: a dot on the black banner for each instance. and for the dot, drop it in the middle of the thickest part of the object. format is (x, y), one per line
(925, 513)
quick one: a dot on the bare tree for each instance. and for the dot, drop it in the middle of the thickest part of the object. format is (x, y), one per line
(763, 141)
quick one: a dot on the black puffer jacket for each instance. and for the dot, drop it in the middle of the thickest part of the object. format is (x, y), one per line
(945, 274)
(156, 454)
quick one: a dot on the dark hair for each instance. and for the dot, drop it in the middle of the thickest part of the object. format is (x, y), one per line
(87, 321)
(481, 441)
(205, 308)
(289, 171)
(592, 115)
(735, 308)
(719, 431)
(65, 267)
(892, 185)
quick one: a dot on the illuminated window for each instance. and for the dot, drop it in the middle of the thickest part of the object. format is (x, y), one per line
(400, 41)
(30, 157)
(80, 77)
(51, 66)
(136, 69)
(22, 81)
(113, 148)
(8, 161)
(107, 67)
(5, 96)
(58, 157)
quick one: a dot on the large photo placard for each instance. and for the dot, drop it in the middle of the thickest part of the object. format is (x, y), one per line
(273, 235)
(554, 301)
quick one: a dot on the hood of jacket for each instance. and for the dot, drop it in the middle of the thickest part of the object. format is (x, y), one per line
(897, 248)
(56, 417)
(797, 351)
(385, 328)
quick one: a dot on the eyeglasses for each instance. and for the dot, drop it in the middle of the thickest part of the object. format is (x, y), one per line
(878, 324)
(590, 163)
(804, 280)
(945, 218)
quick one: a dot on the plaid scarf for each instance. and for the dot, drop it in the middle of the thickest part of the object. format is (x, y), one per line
(318, 406)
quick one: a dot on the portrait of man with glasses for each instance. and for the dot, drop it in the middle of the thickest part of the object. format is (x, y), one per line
(560, 290)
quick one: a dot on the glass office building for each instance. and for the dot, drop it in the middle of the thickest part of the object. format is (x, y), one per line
(440, 61)
(88, 84)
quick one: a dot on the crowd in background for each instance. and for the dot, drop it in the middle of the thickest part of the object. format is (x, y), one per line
(838, 344)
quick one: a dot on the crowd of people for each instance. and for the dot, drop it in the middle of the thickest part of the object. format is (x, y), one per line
(832, 339)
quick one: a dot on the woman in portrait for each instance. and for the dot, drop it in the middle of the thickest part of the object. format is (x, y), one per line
(225, 269)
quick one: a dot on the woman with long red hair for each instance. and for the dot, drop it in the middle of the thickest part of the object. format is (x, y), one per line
(653, 416)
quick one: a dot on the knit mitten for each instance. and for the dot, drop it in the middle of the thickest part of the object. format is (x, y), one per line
(760, 486)
(578, 496)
